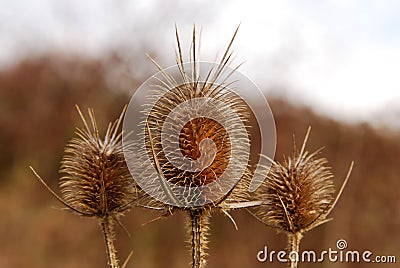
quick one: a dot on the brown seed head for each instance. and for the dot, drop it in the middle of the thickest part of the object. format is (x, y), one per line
(194, 133)
(192, 140)
(298, 192)
(96, 180)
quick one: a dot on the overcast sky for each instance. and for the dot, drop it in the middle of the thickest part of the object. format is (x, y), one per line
(340, 56)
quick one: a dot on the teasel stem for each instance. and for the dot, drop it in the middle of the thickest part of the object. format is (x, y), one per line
(294, 246)
(198, 232)
(107, 228)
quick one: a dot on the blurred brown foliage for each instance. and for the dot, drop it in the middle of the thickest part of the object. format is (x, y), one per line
(37, 118)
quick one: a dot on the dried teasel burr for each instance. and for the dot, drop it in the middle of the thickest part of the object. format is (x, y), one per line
(298, 195)
(209, 132)
(95, 180)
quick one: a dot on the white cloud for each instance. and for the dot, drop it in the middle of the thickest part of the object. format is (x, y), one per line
(340, 56)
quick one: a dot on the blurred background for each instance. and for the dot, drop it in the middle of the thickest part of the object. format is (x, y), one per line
(332, 65)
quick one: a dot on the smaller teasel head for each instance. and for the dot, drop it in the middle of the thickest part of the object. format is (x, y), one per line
(298, 193)
(95, 180)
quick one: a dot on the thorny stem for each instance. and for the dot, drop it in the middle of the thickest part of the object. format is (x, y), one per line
(294, 244)
(108, 233)
(198, 231)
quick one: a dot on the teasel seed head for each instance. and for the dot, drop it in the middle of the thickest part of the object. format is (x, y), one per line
(195, 131)
(298, 192)
(298, 195)
(201, 139)
(194, 116)
(95, 179)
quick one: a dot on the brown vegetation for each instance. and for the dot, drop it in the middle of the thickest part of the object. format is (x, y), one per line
(37, 116)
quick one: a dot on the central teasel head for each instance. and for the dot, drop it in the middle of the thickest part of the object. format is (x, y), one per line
(192, 147)
(192, 128)
(196, 138)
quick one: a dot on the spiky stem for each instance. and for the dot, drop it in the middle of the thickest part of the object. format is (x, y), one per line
(108, 232)
(293, 246)
(198, 229)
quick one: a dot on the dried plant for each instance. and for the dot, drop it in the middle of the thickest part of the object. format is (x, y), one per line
(95, 180)
(193, 145)
(298, 196)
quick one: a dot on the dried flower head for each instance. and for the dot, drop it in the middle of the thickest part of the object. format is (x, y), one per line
(195, 133)
(195, 136)
(96, 181)
(298, 195)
